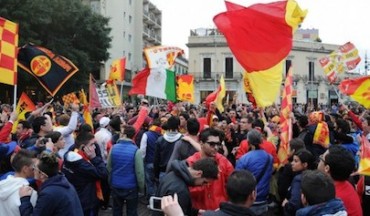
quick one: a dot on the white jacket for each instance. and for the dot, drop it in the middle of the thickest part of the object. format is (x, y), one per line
(9, 195)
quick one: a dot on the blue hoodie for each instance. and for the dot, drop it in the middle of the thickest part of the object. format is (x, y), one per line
(57, 197)
(333, 207)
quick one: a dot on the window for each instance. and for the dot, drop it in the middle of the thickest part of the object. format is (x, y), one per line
(229, 67)
(124, 14)
(311, 71)
(129, 37)
(124, 53)
(129, 19)
(130, 2)
(288, 63)
(129, 56)
(207, 68)
(124, 34)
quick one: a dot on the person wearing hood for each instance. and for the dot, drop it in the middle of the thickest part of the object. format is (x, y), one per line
(177, 181)
(241, 190)
(56, 196)
(164, 147)
(9, 188)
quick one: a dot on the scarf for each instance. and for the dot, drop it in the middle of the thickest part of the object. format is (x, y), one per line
(99, 192)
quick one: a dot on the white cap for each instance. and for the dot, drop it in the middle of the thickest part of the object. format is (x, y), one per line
(104, 121)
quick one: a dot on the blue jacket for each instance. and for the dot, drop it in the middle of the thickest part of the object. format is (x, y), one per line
(57, 197)
(83, 175)
(332, 207)
(294, 196)
(150, 147)
(255, 161)
(123, 165)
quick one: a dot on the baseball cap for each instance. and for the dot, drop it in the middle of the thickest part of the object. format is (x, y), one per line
(7, 149)
(104, 121)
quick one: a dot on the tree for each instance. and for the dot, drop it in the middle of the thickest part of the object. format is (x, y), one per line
(68, 28)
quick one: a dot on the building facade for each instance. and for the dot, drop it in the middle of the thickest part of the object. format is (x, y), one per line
(210, 57)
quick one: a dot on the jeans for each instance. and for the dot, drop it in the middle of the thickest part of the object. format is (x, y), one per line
(149, 180)
(120, 196)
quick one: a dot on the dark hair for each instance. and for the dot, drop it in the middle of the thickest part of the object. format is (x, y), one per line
(302, 121)
(240, 184)
(173, 123)
(340, 161)
(297, 144)
(54, 136)
(25, 124)
(83, 139)
(204, 134)
(192, 124)
(48, 164)
(156, 122)
(258, 123)
(317, 187)
(208, 166)
(344, 126)
(63, 119)
(185, 115)
(37, 123)
(115, 123)
(85, 128)
(22, 158)
(129, 131)
(306, 156)
(254, 138)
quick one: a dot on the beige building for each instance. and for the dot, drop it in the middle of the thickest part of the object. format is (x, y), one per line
(210, 57)
(135, 24)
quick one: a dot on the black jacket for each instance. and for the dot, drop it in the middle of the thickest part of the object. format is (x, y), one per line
(177, 181)
(229, 209)
(57, 197)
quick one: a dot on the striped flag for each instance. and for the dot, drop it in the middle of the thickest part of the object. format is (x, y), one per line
(285, 121)
(8, 51)
(117, 70)
(358, 89)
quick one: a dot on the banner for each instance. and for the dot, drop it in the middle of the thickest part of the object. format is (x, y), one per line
(70, 98)
(162, 56)
(340, 61)
(117, 70)
(24, 105)
(50, 70)
(8, 51)
(185, 88)
(108, 95)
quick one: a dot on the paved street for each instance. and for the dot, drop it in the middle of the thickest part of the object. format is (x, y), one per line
(142, 211)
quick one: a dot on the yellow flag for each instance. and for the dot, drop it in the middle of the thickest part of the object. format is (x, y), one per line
(24, 105)
(221, 94)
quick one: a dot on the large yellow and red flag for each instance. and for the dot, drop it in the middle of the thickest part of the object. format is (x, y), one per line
(24, 105)
(86, 112)
(8, 51)
(285, 121)
(185, 88)
(364, 166)
(217, 95)
(358, 89)
(340, 61)
(117, 70)
(261, 37)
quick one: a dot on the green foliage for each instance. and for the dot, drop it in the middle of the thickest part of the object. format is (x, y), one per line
(68, 28)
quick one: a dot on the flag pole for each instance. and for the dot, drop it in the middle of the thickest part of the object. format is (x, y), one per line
(15, 96)
(121, 91)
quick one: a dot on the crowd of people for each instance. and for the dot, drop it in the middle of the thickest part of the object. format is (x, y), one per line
(199, 160)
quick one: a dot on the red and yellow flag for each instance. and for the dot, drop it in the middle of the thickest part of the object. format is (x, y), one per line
(86, 112)
(24, 105)
(185, 88)
(8, 51)
(364, 166)
(117, 70)
(358, 89)
(70, 98)
(285, 121)
(218, 95)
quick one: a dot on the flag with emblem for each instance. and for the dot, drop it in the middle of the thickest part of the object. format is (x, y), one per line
(8, 51)
(358, 89)
(162, 56)
(285, 121)
(117, 69)
(24, 105)
(70, 98)
(260, 37)
(346, 58)
(185, 88)
(50, 70)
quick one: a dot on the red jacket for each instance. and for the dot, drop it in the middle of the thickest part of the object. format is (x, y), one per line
(269, 147)
(347, 193)
(5, 132)
(209, 197)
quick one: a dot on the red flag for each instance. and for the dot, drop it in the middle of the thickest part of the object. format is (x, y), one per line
(139, 82)
(8, 51)
(117, 70)
(259, 36)
(285, 121)
(358, 89)
(94, 98)
(364, 166)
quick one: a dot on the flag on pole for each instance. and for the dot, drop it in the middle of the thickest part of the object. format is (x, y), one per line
(340, 61)
(364, 166)
(50, 70)
(86, 112)
(260, 37)
(221, 94)
(162, 56)
(285, 121)
(24, 105)
(8, 51)
(70, 98)
(185, 88)
(358, 89)
(117, 70)
(94, 98)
